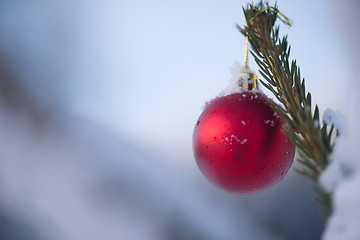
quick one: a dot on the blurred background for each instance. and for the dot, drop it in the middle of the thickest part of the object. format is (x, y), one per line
(98, 101)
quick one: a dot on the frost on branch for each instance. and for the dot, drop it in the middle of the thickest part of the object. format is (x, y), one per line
(342, 179)
(330, 117)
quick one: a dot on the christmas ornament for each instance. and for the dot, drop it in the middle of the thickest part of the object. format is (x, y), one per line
(238, 143)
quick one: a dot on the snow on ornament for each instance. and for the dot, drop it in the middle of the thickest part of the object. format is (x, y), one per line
(238, 143)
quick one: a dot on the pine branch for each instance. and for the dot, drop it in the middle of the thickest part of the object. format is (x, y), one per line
(282, 77)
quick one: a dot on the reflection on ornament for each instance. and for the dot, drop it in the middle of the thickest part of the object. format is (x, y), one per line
(247, 81)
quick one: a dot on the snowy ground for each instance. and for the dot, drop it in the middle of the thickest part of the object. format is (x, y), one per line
(62, 178)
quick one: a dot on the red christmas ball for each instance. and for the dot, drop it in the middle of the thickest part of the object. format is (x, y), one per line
(238, 143)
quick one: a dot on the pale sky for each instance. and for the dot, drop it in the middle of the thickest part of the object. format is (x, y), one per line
(159, 61)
